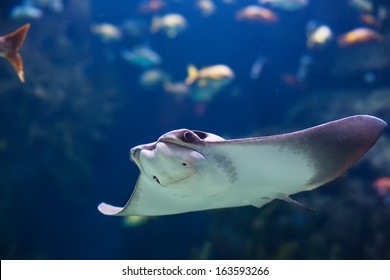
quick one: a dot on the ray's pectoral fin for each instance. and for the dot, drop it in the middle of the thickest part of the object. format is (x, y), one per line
(335, 146)
(108, 209)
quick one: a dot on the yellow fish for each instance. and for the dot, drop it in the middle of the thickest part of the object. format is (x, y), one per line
(171, 24)
(215, 72)
(9, 47)
(107, 32)
(319, 37)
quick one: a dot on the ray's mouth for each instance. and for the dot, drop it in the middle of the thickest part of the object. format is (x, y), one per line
(135, 152)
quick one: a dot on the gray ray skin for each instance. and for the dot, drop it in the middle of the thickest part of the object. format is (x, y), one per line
(189, 170)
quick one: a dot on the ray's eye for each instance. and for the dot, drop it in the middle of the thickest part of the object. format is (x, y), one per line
(188, 137)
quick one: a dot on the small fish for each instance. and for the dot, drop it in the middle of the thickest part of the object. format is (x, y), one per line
(151, 6)
(171, 24)
(365, 6)
(143, 57)
(382, 186)
(207, 7)
(320, 36)
(215, 72)
(9, 47)
(256, 13)
(26, 11)
(288, 5)
(359, 35)
(107, 32)
(208, 82)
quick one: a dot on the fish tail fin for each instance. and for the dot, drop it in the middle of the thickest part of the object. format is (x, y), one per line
(156, 24)
(16, 61)
(15, 41)
(192, 74)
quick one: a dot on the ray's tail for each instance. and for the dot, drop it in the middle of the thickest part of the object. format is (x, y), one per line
(10, 45)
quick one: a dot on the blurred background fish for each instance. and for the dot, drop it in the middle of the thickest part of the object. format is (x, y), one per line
(207, 7)
(256, 13)
(142, 56)
(170, 24)
(382, 186)
(318, 35)
(207, 74)
(289, 5)
(151, 6)
(106, 32)
(9, 48)
(359, 35)
(26, 11)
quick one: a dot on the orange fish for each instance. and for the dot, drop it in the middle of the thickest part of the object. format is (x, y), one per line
(9, 47)
(370, 20)
(382, 185)
(256, 13)
(359, 35)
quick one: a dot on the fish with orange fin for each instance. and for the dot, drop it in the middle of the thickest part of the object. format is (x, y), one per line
(9, 47)
(359, 35)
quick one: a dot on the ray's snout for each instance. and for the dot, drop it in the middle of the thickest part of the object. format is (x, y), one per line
(134, 152)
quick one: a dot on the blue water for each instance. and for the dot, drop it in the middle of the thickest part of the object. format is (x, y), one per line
(65, 155)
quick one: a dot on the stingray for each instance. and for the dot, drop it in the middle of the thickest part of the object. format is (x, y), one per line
(190, 170)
